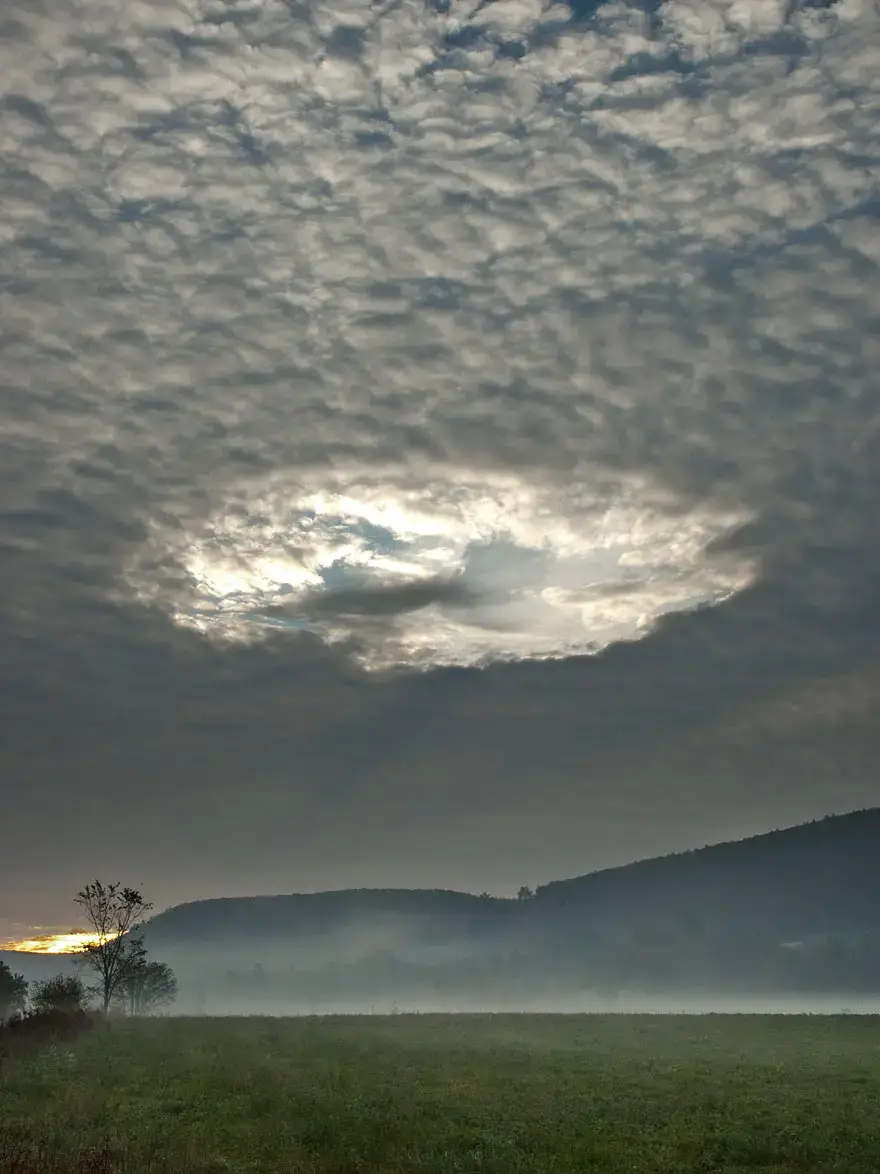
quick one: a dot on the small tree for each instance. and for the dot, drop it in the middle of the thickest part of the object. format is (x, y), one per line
(112, 912)
(13, 992)
(144, 986)
(524, 893)
(157, 988)
(62, 992)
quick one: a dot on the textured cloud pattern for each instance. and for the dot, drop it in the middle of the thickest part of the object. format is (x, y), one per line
(244, 238)
(403, 335)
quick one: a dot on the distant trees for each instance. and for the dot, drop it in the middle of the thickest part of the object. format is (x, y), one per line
(13, 992)
(113, 911)
(524, 893)
(144, 986)
(62, 992)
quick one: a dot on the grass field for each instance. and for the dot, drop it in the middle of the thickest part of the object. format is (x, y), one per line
(452, 1095)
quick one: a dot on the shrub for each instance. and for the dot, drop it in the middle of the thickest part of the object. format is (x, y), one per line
(63, 992)
(34, 1029)
(13, 992)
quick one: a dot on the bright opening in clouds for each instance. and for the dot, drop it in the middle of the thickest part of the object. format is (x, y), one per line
(447, 568)
(426, 333)
(71, 942)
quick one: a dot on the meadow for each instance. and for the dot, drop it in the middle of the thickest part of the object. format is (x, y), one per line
(480, 1094)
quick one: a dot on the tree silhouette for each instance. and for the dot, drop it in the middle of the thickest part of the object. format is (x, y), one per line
(63, 992)
(13, 992)
(144, 986)
(113, 912)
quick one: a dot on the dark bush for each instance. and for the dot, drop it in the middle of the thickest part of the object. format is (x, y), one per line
(34, 1029)
(62, 992)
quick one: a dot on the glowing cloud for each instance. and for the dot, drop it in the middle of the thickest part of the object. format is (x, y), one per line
(444, 567)
(71, 942)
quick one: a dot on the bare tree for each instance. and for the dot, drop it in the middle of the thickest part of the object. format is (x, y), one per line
(144, 986)
(112, 912)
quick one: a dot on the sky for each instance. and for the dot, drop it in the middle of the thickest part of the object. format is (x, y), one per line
(438, 442)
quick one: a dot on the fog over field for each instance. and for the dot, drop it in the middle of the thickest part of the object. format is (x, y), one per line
(786, 921)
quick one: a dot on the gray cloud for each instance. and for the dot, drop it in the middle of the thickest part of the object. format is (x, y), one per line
(390, 601)
(596, 299)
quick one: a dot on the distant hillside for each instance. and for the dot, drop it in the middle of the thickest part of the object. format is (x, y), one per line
(345, 924)
(319, 913)
(814, 879)
(792, 910)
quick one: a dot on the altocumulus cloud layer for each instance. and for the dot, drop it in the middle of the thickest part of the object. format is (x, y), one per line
(446, 432)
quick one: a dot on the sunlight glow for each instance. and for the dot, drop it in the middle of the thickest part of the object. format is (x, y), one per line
(60, 943)
(443, 566)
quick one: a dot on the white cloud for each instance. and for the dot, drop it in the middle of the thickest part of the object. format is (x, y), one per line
(319, 242)
(539, 573)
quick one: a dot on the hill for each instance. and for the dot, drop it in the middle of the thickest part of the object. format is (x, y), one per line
(814, 879)
(351, 921)
(439, 913)
(790, 910)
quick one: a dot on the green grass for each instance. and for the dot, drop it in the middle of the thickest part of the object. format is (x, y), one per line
(452, 1095)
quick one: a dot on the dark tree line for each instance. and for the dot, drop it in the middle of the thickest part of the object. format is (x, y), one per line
(650, 959)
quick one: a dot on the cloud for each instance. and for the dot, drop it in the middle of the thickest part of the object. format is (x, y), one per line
(384, 601)
(430, 337)
(469, 567)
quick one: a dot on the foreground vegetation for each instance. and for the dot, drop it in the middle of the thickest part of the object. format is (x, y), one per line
(450, 1095)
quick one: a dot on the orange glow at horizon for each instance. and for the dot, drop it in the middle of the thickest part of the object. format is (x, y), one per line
(72, 942)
